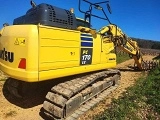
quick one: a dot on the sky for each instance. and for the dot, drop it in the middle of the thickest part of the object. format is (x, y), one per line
(136, 18)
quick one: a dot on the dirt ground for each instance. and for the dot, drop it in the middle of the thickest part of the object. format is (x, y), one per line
(28, 109)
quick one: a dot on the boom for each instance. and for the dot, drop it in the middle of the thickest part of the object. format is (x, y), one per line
(123, 42)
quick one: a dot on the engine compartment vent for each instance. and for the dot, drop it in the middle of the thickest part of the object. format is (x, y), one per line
(48, 15)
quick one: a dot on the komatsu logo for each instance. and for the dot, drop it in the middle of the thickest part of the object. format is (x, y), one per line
(7, 56)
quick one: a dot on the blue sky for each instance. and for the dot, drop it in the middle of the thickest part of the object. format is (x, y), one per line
(136, 18)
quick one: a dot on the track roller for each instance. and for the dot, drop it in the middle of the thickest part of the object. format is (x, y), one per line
(65, 98)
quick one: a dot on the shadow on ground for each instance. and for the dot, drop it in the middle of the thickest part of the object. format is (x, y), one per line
(130, 68)
(35, 94)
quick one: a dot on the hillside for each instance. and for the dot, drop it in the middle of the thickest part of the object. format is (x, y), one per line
(149, 44)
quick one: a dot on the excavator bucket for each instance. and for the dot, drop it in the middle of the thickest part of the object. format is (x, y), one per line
(146, 65)
(149, 65)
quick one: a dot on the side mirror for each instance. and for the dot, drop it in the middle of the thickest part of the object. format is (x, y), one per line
(109, 8)
(5, 24)
(97, 7)
(33, 4)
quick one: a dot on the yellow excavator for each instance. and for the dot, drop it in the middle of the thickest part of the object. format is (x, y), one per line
(49, 42)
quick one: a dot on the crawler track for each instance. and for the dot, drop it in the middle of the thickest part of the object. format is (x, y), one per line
(72, 98)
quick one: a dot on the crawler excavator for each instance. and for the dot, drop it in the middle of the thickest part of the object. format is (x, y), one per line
(49, 42)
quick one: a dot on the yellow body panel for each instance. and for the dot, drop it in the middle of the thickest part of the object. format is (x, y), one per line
(45, 75)
(29, 50)
(53, 52)
(58, 48)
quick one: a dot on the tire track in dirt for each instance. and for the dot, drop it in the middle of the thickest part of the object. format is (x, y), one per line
(10, 111)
